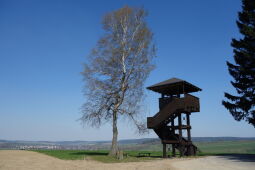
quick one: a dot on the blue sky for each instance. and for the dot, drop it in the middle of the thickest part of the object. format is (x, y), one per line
(44, 43)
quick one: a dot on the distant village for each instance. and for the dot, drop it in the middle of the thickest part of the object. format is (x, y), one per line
(39, 146)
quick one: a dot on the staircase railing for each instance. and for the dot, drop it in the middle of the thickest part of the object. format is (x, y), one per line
(188, 103)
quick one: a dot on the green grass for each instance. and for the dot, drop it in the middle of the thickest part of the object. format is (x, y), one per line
(100, 155)
(206, 148)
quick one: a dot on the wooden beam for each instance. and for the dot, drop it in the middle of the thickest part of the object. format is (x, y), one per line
(172, 125)
(188, 124)
(180, 133)
(182, 127)
(170, 141)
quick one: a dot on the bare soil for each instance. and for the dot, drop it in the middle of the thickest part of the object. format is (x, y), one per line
(27, 160)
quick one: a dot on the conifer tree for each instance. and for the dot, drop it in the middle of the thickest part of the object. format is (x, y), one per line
(242, 105)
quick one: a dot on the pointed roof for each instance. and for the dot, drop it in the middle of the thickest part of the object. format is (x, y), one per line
(174, 86)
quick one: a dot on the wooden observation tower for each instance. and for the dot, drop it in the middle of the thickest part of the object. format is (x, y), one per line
(175, 102)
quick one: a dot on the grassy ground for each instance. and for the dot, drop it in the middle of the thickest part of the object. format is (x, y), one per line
(100, 155)
(206, 148)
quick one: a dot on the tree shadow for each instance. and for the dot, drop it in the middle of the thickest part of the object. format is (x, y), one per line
(152, 156)
(90, 153)
(239, 157)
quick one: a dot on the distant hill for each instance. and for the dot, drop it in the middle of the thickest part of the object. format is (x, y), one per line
(125, 141)
(215, 139)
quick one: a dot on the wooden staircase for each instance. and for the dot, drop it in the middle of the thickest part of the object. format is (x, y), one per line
(171, 108)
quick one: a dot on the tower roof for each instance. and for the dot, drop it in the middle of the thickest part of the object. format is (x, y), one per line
(174, 86)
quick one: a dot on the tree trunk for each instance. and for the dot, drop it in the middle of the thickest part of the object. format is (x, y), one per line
(114, 147)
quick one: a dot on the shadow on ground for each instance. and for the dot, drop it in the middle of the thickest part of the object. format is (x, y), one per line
(239, 157)
(233, 157)
(105, 154)
(89, 153)
(147, 156)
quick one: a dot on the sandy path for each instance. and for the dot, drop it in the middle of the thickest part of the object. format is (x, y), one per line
(228, 162)
(27, 160)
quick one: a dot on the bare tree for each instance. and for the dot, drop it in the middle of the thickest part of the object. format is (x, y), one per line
(115, 72)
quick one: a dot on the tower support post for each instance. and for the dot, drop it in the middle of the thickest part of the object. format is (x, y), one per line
(188, 134)
(188, 124)
(173, 150)
(164, 150)
(173, 132)
(180, 133)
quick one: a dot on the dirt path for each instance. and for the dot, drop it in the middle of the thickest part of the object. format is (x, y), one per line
(26, 160)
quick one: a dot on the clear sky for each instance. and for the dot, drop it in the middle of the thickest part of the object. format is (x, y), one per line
(43, 44)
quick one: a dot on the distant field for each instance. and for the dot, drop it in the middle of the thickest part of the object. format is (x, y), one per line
(206, 148)
(245, 147)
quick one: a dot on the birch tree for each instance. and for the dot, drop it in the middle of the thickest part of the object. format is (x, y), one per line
(115, 72)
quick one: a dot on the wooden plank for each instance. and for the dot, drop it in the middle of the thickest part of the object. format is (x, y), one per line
(170, 141)
(182, 127)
